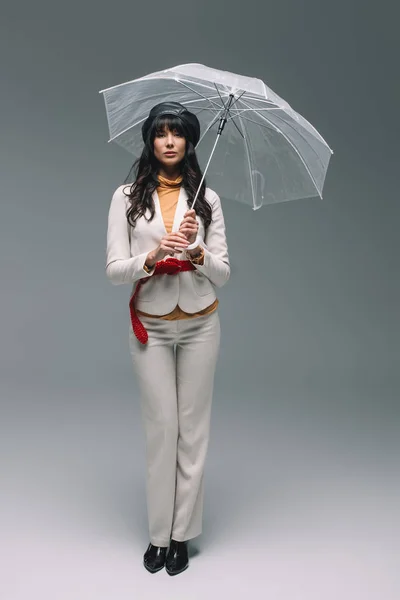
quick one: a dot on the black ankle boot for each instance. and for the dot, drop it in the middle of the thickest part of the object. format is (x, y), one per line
(177, 559)
(154, 557)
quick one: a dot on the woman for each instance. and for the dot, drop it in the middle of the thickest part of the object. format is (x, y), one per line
(175, 257)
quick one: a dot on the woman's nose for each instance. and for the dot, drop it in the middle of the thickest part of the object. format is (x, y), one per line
(170, 140)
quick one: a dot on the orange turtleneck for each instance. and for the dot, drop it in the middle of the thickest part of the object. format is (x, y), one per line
(168, 193)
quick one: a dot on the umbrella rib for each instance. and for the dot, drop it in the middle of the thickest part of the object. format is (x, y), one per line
(272, 126)
(238, 98)
(291, 126)
(231, 118)
(207, 99)
(211, 108)
(294, 148)
(223, 103)
(209, 126)
(201, 100)
(257, 123)
(255, 99)
(198, 93)
(317, 135)
(235, 124)
(203, 107)
(259, 109)
(127, 129)
(240, 112)
(248, 158)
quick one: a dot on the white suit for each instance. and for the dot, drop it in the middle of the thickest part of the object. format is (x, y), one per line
(175, 369)
(127, 250)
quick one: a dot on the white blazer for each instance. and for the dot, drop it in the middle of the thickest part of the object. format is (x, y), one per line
(127, 249)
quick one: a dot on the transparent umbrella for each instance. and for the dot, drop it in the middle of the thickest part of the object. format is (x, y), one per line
(253, 147)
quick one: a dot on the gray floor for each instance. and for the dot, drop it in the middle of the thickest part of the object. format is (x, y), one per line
(299, 503)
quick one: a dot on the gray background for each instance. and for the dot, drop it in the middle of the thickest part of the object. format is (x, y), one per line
(302, 483)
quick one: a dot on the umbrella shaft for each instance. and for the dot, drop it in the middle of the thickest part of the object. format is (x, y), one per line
(226, 111)
(205, 170)
(220, 129)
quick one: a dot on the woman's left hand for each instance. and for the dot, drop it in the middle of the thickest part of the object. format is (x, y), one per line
(189, 226)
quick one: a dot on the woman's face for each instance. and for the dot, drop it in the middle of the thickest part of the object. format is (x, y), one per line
(169, 148)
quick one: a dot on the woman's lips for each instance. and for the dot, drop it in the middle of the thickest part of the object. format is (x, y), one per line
(170, 153)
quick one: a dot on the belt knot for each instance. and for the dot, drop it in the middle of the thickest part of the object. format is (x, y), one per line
(170, 266)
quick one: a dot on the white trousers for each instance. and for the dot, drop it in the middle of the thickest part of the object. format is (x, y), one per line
(175, 372)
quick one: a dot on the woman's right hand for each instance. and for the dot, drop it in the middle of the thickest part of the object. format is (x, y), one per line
(170, 244)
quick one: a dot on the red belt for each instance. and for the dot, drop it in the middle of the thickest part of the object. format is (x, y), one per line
(170, 266)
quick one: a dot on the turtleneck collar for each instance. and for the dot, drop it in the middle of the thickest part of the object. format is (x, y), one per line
(168, 183)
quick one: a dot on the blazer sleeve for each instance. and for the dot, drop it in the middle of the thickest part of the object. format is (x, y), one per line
(121, 267)
(216, 258)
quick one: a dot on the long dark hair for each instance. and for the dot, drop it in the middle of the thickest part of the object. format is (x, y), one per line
(145, 171)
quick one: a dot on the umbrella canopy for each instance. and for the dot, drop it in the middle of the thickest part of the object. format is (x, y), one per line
(268, 152)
